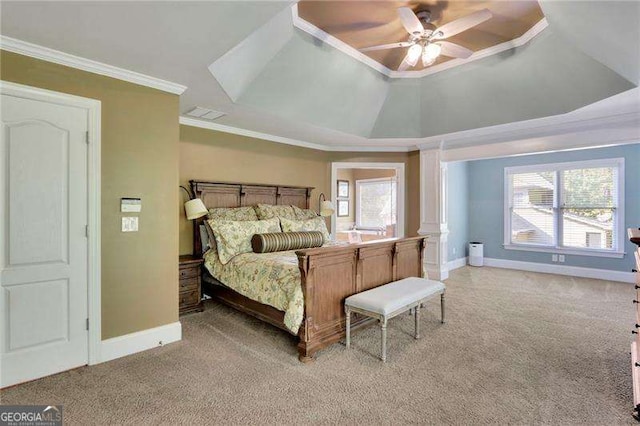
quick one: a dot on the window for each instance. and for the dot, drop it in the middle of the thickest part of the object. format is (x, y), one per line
(376, 203)
(573, 208)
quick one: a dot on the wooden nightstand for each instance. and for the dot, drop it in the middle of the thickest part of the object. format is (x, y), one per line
(189, 284)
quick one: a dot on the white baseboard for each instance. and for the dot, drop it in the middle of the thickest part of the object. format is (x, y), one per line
(456, 263)
(574, 271)
(139, 341)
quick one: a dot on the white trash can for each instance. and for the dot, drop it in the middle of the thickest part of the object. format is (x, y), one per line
(476, 253)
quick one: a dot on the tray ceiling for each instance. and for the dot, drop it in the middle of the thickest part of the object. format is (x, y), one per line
(367, 23)
(249, 61)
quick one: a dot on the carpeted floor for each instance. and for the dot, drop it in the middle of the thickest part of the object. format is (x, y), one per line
(518, 347)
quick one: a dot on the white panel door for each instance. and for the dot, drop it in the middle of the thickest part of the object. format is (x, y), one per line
(43, 243)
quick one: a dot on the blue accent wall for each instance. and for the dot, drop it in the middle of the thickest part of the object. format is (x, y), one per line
(458, 208)
(486, 204)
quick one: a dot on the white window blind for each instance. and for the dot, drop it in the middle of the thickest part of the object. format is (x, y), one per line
(588, 209)
(376, 206)
(532, 208)
(573, 206)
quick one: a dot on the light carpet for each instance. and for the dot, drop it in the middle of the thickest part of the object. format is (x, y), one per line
(518, 347)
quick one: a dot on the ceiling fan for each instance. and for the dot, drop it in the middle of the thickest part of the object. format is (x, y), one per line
(427, 41)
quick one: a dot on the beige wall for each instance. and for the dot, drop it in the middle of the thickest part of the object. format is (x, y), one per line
(139, 159)
(223, 157)
(216, 156)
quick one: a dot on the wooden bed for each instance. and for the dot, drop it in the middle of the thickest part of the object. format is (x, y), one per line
(329, 274)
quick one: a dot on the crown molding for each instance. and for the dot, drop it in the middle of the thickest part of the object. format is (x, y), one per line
(50, 55)
(188, 121)
(533, 129)
(327, 38)
(539, 136)
(549, 134)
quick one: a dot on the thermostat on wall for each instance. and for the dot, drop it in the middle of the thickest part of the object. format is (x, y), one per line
(130, 205)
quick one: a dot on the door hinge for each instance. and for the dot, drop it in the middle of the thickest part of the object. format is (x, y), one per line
(86, 134)
(87, 323)
(86, 231)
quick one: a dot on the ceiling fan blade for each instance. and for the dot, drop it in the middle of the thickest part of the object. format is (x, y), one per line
(410, 21)
(454, 50)
(462, 24)
(386, 46)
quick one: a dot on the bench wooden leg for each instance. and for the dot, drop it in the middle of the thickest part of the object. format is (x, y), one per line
(417, 314)
(383, 326)
(347, 311)
(442, 306)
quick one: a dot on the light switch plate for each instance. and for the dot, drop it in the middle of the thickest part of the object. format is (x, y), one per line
(130, 224)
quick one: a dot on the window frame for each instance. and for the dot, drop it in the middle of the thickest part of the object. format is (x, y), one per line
(357, 202)
(617, 251)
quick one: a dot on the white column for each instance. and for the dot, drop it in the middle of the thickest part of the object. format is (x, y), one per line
(433, 212)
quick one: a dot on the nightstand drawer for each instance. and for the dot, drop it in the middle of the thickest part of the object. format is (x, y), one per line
(189, 272)
(189, 284)
(189, 298)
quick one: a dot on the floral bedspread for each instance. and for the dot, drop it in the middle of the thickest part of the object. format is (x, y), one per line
(269, 278)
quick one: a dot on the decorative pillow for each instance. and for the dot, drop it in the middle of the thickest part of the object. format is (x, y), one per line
(233, 237)
(282, 241)
(316, 224)
(232, 213)
(268, 211)
(304, 214)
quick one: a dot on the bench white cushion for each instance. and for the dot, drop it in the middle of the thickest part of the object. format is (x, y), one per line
(388, 298)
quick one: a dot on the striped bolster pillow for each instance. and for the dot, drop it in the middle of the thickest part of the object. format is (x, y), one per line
(282, 241)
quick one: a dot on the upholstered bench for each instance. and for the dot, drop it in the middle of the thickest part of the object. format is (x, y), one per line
(390, 300)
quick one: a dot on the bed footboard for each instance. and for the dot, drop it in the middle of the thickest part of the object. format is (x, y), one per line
(331, 274)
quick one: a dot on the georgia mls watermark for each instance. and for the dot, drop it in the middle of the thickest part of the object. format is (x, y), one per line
(30, 415)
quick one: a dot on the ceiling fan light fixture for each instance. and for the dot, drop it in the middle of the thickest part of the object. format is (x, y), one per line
(414, 54)
(426, 61)
(432, 50)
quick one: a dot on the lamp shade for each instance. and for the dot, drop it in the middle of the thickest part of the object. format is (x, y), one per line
(326, 208)
(195, 208)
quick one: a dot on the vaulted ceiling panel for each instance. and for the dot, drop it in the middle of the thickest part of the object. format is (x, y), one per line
(237, 68)
(401, 115)
(317, 84)
(544, 78)
(608, 31)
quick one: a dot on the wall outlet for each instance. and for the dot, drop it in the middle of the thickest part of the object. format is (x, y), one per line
(454, 250)
(130, 224)
(554, 257)
(561, 258)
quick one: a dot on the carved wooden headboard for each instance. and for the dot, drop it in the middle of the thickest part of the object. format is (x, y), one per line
(228, 194)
